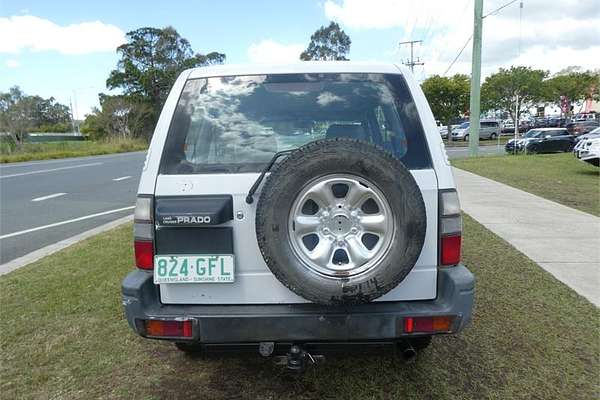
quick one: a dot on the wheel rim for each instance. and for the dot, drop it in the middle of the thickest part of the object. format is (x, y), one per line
(340, 225)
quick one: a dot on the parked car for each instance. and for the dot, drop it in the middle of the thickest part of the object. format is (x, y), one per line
(508, 126)
(353, 237)
(588, 148)
(586, 116)
(487, 130)
(542, 140)
(592, 133)
(524, 126)
(582, 127)
(540, 122)
(443, 129)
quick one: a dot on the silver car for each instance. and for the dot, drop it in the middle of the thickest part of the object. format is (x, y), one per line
(487, 130)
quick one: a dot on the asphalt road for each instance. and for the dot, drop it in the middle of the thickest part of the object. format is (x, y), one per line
(36, 194)
(44, 202)
(461, 152)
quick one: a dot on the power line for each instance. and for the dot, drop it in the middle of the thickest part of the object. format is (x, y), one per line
(471, 37)
(458, 55)
(499, 8)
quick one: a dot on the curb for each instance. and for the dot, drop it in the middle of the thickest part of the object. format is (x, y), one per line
(63, 244)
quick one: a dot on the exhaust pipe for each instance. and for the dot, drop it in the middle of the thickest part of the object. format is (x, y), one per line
(407, 351)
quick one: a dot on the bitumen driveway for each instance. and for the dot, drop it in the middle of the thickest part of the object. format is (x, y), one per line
(44, 202)
(462, 152)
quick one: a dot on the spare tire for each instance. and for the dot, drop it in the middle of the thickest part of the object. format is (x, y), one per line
(340, 221)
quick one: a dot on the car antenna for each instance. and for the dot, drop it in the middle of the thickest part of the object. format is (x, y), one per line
(267, 168)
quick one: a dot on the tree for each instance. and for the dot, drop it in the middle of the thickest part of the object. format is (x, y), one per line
(327, 43)
(513, 90)
(570, 86)
(16, 114)
(150, 62)
(118, 117)
(20, 114)
(447, 97)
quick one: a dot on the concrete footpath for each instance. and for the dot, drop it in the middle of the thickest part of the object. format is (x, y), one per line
(560, 239)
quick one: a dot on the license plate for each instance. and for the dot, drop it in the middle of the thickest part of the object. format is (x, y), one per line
(205, 268)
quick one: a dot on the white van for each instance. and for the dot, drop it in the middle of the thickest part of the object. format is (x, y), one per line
(487, 130)
(285, 207)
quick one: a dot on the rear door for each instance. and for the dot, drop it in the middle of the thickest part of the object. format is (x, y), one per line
(224, 131)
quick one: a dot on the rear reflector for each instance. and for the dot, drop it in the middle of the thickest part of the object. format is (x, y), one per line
(428, 324)
(144, 254)
(450, 252)
(160, 328)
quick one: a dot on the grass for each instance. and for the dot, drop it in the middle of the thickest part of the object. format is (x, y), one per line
(46, 151)
(557, 177)
(63, 336)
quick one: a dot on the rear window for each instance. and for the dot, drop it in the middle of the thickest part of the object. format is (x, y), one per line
(237, 123)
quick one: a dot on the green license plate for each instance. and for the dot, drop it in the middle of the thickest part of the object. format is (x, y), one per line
(205, 268)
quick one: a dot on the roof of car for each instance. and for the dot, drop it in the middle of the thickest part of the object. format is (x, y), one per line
(547, 129)
(305, 67)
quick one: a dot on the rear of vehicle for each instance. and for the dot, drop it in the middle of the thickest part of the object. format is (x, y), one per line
(489, 130)
(354, 235)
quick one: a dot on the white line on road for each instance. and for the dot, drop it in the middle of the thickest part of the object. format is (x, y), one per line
(50, 196)
(53, 248)
(39, 228)
(41, 171)
(122, 178)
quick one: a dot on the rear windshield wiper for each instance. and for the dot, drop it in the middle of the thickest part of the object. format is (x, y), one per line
(254, 187)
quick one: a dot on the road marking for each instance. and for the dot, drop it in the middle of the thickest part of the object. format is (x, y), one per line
(121, 178)
(50, 196)
(69, 221)
(41, 171)
(53, 248)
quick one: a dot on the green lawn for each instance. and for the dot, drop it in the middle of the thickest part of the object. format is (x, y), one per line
(63, 336)
(558, 177)
(51, 150)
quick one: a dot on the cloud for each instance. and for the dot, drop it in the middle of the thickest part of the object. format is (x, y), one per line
(12, 63)
(385, 14)
(553, 35)
(37, 34)
(271, 52)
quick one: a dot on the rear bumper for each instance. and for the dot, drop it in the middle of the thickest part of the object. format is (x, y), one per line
(216, 324)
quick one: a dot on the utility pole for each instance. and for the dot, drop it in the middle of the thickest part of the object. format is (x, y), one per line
(475, 80)
(72, 114)
(412, 61)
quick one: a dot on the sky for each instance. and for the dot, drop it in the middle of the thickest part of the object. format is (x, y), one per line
(66, 49)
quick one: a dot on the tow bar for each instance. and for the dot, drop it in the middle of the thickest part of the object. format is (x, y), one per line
(296, 359)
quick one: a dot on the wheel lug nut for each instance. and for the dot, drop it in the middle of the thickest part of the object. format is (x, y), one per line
(325, 214)
(353, 230)
(325, 230)
(340, 243)
(354, 213)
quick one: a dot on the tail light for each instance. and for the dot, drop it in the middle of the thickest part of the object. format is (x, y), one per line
(450, 228)
(143, 233)
(162, 328)
(437, 324)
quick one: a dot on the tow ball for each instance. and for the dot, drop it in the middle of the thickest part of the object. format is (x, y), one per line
(296, 359)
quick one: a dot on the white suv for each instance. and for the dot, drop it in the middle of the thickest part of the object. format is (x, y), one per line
(282, 207)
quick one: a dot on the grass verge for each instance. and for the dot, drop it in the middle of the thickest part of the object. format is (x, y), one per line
(557, 177)
(63, 336)
(46, 151)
